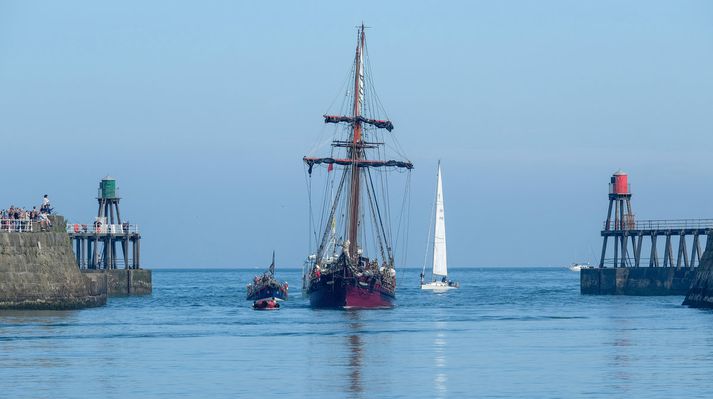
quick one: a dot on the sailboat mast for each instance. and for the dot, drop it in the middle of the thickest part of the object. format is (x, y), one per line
(356, 151)
(272, 265)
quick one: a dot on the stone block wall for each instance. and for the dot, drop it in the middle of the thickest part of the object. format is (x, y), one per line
(636, 281)
(38, 271)
(121, 282)
(700, 295)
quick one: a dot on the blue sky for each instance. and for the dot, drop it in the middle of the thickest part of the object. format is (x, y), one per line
(203, 110)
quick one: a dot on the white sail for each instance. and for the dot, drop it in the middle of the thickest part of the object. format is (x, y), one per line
(440, 266)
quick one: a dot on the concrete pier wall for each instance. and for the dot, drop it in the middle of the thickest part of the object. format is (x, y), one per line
(700, 295)
(38, 271)
(122, 282)
(636, 281)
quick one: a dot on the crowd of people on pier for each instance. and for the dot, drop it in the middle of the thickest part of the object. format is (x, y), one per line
(17, 218)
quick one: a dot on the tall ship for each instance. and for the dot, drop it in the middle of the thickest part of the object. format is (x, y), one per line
(357, 222)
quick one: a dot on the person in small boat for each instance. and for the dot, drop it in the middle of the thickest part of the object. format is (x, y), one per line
(444, 279)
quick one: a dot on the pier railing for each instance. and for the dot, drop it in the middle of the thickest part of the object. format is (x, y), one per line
(16, 225)
(673, 224)
(103, 228)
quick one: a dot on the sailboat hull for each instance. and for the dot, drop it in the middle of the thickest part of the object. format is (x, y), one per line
(438, 286)
(348, 294)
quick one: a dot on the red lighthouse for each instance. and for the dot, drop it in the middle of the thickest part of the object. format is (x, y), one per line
(619, 183)
(623, 221)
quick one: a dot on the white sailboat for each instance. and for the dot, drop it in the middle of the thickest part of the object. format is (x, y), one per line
(440, 281)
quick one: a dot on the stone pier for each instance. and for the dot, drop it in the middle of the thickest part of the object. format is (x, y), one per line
(38, 271)
(122, 282)
(636, 280)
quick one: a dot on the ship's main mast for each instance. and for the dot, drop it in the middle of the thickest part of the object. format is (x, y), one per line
(356, 152)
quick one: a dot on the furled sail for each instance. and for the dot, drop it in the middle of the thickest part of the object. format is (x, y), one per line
(439, 235)
(362, 163)
(382, 124)
(360, 69)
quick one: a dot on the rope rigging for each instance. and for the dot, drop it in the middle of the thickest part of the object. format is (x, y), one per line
(376, 153)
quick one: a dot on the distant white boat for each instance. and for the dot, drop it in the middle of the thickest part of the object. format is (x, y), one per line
(575, 267)
(440, 281)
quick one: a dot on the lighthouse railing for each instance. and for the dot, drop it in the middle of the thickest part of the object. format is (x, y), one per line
(103, 228)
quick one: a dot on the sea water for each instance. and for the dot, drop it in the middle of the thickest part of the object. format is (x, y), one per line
(507, 332)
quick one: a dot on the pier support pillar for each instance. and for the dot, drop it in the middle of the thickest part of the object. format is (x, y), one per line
(637, 251)
(667, 253)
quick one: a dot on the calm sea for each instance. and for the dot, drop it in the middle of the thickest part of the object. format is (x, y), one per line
(506, 333)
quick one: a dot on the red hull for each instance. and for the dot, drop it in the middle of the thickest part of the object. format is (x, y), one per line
(361, 298)
(348, 294)
(266, 304)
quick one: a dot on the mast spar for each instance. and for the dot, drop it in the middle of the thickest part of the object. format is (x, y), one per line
(355, 151)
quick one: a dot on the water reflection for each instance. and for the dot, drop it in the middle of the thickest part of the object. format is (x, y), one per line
(28, 317)
(36, 330)
(440, 378)
(621, 348)
(356, 352)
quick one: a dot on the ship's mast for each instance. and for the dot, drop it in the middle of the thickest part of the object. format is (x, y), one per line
(355, 161)
(356, 152)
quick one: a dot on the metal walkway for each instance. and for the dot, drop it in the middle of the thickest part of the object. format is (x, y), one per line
(673, 230)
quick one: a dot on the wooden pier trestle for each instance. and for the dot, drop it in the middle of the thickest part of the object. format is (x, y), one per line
(96, 243)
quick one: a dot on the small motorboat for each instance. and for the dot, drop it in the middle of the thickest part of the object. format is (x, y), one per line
(266, 304)
(575, 267)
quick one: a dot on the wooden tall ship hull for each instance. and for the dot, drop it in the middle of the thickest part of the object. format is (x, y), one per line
(268, 291)
(349, 293)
